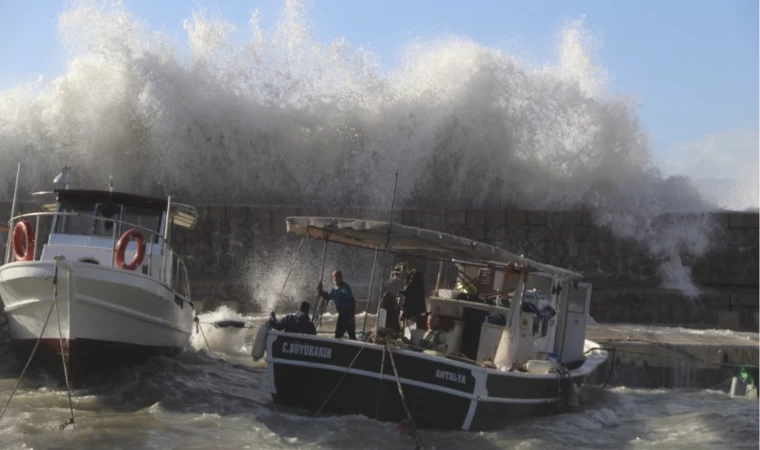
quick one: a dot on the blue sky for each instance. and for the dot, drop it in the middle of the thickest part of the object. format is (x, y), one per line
(691, 64)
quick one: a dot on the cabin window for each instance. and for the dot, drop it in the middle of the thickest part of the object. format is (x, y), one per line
(107, 216)
(146, 219)
(80, 225)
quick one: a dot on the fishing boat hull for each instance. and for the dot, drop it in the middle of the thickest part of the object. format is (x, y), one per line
(441, 393)
(103, 317)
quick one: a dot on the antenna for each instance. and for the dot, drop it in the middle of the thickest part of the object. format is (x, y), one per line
(390, 220)
(63, 177)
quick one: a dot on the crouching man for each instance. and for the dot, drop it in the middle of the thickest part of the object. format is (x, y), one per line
(299, 322)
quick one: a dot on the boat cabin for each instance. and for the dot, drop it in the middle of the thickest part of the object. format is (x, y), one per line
(90, 226)
(502, 308)
(475, 313)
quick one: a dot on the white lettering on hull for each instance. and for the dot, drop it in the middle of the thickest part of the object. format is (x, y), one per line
(450, 376)
(306, 350)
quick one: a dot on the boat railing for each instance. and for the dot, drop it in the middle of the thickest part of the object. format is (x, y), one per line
(152, 239)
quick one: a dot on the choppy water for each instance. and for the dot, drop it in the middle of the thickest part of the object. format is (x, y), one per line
(221, 401)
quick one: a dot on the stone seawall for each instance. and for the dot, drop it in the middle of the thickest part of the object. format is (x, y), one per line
(231, 240)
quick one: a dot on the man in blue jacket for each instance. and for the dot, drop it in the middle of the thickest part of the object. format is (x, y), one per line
(344, 302)
(294, 323)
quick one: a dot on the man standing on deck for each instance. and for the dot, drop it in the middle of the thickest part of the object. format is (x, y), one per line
(344, 302)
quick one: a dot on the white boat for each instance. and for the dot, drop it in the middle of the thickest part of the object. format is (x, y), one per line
(121, 293)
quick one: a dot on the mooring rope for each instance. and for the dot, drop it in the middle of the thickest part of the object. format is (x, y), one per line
(34, 351)
(612, 368)
(720, 385)
(341, 380)
(60, 339)
(292, 264)
(380, 387)
(198, 327)
(415, 432)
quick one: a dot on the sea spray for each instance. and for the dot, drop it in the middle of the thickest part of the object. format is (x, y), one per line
(270, 117)
(226, 340)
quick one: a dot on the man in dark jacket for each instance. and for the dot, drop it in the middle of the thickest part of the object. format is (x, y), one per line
(294, 323)
(413, 295)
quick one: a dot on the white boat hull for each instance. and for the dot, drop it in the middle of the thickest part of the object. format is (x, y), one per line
(107, 316)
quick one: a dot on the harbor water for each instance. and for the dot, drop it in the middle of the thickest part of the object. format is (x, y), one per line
(220, 400)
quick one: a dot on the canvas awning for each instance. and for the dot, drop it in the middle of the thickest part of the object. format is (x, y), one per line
(410, 241)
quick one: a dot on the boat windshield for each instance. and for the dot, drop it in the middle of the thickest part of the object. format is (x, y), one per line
(81, 225)
(145, 218)
(85, 225)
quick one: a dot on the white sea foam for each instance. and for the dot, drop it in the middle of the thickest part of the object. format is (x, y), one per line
(268, 116)
(227, 340)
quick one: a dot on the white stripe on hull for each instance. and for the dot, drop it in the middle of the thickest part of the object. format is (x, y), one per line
(110, 304)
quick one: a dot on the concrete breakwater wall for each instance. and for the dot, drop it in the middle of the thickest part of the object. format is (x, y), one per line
(232, 252)
(656, 357)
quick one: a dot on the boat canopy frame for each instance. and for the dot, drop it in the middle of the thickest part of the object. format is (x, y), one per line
(413, 242)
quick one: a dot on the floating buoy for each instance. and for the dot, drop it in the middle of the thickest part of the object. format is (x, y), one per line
(260, 344)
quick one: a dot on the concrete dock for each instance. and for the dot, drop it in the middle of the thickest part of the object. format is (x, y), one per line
(667, 357)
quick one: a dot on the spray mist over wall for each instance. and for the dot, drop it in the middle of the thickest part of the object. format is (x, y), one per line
(278, 116)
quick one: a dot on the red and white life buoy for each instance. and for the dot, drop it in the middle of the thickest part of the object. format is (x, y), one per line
(23, 233)
(121, 248)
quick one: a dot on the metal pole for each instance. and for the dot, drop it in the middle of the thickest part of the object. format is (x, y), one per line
(387, 242)
(438, 280)
(36, 236)
(369, 291)
(314, 318)
(176, 274)
(379, 296)
(562, 306)
(390, 220)
(168, 217)
(116, 226)
(164, 247)
(150, 255)
(13, 213)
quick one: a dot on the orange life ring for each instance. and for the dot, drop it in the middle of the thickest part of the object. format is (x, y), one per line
(121, 248)
(510, 271)
(23, 230)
